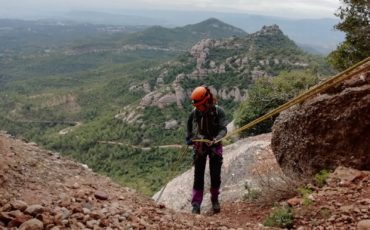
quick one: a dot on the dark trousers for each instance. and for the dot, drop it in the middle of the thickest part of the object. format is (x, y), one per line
(214, 154)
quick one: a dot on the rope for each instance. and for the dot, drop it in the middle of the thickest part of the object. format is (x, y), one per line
(182, 155)
(346, 74)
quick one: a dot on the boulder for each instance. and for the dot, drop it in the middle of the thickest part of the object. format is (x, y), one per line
(172, 124)
(332, 129)
(166, 100)
(246, 161)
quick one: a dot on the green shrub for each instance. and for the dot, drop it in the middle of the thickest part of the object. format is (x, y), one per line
(321, 177)
(281, 216)
(304, 193)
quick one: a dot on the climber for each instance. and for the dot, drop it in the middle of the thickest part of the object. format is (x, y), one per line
(206, 121)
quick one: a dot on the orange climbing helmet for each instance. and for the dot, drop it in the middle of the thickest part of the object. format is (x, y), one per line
(199, 96)
(202, 98)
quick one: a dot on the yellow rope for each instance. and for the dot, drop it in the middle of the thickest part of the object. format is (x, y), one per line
(346, 74)
(182, 155)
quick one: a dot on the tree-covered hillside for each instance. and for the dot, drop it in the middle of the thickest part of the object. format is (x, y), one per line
(184, 37)
(106, 101)
(42, 37)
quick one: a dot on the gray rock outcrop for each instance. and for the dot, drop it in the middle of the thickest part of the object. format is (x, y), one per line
(172, 124)
(241, 160)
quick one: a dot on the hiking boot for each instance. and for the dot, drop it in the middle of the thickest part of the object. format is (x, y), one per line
(216, 207)
(196, 208)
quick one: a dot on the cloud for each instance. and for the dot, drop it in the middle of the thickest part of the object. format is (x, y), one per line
(287, 8)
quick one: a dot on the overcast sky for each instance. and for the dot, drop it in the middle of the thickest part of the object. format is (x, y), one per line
(286, 8)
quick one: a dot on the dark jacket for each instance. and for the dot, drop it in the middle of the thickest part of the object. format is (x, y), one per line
(210, 124)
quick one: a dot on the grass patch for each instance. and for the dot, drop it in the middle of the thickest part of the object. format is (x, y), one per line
(252, 193)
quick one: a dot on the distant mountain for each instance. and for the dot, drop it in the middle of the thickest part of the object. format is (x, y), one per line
(184, 37)
(315, 33)
(215, 28)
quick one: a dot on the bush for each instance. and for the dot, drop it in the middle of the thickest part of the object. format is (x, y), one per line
(321, 177)
(304, 193)
(281, 217)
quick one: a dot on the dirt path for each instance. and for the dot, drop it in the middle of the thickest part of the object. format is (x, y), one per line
(176, 146)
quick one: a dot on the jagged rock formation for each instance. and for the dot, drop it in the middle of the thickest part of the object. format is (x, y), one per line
(328, 130)
(240, 57)
(242, 161)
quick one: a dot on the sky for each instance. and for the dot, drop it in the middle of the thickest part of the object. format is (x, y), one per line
(286, 8)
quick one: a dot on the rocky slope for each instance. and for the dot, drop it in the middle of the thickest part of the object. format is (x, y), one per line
(42, 190)
(334, 129)
(341, 204)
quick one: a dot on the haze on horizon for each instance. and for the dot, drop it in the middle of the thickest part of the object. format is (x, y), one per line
(286, 9)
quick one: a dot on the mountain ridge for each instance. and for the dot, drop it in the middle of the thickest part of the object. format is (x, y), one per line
(317, 34)
(184, 37)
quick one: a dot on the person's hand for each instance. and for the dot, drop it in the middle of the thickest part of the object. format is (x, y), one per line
(189, 141)
(211, 142)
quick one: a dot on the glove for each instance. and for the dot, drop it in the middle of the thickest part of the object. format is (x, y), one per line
(189, 141)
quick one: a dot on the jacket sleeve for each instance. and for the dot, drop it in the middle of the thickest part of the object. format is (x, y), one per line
(189, 133)
(222, 130)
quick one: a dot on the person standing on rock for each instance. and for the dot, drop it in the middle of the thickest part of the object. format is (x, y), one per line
(206, 121)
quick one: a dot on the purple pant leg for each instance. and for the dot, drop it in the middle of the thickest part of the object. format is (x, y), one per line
(217, 149)
(197, 197)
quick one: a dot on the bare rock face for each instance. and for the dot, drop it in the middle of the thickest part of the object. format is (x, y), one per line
(200, 51)
(245, 161)
(166, 100)
(180, 93)
(150, 98)
(329, 130)
(228, 94)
